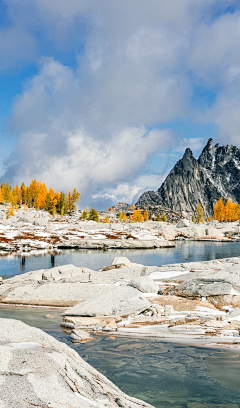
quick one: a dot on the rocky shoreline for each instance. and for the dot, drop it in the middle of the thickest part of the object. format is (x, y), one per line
(188, 300)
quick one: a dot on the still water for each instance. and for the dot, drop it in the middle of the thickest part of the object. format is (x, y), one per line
(185, 251)
(161, 373)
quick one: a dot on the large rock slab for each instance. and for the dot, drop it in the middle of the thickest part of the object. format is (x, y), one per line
(54, 293)
(39, 371)
(145, 284)
(122, 301)
(56, 273)
(193, 289)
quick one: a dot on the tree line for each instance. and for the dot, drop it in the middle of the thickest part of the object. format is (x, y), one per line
(226, 212)
(37, 196)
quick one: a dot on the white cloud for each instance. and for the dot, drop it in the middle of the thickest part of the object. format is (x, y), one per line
(88, 126)
(56, 147)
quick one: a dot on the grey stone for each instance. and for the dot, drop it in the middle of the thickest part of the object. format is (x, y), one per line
(39, 371)
(183, 223)
(78, 335)
(235, 312)
(168, 310)
(194, 288)
(121, 260)
(145, 284)
(121, 301)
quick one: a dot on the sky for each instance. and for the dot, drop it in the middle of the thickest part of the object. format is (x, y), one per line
(106, 95)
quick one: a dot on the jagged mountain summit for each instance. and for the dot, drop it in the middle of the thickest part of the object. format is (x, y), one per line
(214, 175)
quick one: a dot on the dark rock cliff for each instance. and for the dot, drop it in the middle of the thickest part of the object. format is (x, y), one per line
(215, 174)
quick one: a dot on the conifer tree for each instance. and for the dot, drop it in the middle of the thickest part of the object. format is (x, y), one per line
(7, 191)
(24, 193)
(146, 215)
(62, 204)
(93, 215)
(3, 191)
(18, 194)
(85, 214)
(164, 218)
(219, 210)
(199, 214)
(121, 216)
(75, 198)
(158, 217)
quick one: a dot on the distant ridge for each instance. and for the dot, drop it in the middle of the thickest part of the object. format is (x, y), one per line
(214, 175)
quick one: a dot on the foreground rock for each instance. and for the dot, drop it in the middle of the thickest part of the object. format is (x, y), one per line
(122, 301)
(39, 371)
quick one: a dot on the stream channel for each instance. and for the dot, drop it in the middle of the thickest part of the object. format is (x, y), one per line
(162, 373)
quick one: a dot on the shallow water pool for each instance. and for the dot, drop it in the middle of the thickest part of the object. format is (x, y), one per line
(161, 373)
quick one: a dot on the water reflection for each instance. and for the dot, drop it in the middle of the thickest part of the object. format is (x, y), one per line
(23, 260)
(52, 261)
(184, 251)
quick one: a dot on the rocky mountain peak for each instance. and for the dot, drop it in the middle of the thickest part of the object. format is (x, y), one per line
(188, 161)
(207, 157)
(214, 175)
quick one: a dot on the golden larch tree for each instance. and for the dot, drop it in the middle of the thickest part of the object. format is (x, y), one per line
(146, 215)
(218, 210)
(199, 214)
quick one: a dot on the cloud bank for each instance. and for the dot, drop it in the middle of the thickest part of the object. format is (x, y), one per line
(112, 76)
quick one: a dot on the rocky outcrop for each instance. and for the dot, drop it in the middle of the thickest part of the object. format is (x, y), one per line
(214, 175)
(39, 371)
(120, 301)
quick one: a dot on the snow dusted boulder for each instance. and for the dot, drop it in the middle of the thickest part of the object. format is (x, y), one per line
(123, 261)
(145, 284)
(39, 371)
(183, 223)
(168, 233)
(121, 301)
(25, 216)
(66, 271)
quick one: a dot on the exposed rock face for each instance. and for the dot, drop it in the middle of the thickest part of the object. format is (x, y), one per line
(214, 175)
(39, 371)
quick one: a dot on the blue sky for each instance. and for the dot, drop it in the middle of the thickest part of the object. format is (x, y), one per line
(106, 96)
